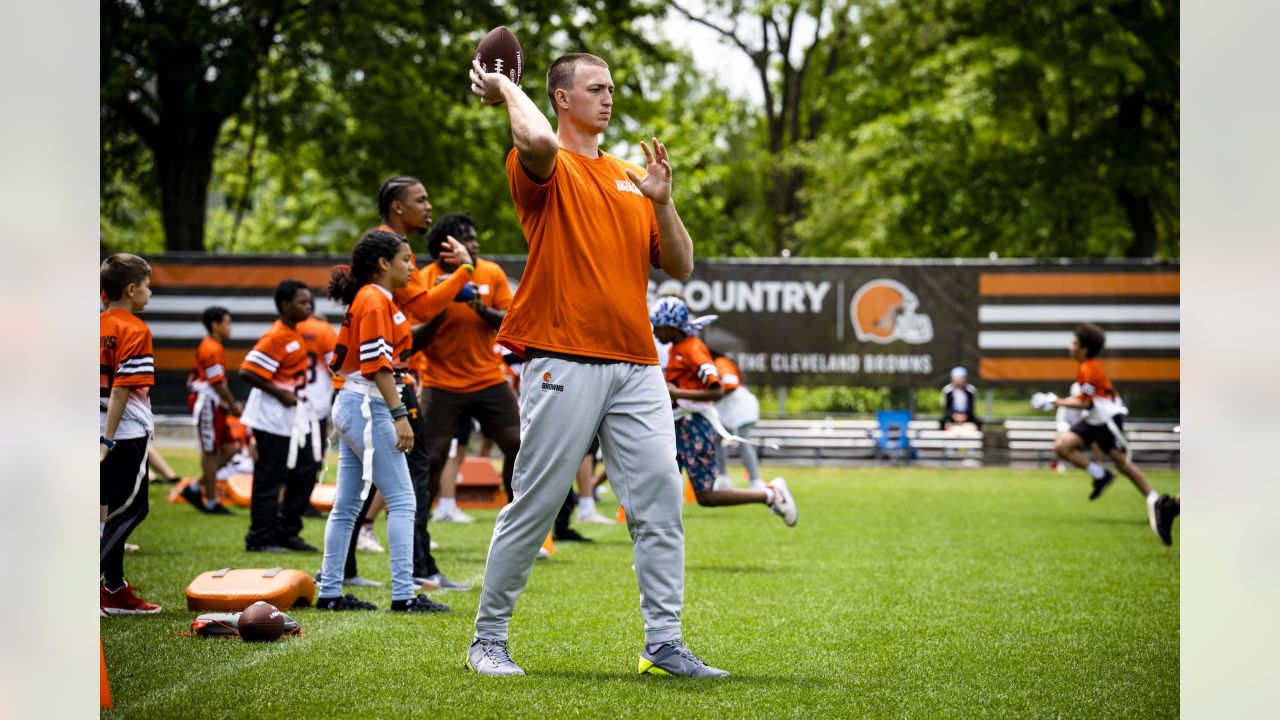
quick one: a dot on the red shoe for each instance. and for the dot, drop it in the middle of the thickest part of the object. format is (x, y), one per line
(126, 602)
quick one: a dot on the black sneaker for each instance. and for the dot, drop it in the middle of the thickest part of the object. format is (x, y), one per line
(297, 544)
(346, 602)
(217, 508)
(191, 493)
(266, 548)
(1101, 485)
(1166, 510)
(418, 603)
(571, 535)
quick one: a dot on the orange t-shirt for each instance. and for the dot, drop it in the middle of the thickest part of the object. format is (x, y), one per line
(730, 375)
(690, 366)
(279, 356)
(1093, 382)
(125, 359)
(319, 339)
(419, 300)
(460, 357)
(592, 238)
(374, 332)
(211, 362)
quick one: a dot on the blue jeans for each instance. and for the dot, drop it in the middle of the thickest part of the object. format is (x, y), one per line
(390, 474)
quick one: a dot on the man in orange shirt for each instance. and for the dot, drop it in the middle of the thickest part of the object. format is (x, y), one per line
(595, 224)
(211, 402)
(463, 375)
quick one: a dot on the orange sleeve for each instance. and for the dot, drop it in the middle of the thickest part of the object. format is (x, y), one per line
(431, 302)
(213, 363)
(1089, 378)
(374, 339)
(698, 356)
(264, 359)
(525, 191)
(135, 363)
(729, 379)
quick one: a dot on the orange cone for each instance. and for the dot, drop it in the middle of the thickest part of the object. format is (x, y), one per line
(549, 545)
(621, 517)
(105, 691)
(689, 496)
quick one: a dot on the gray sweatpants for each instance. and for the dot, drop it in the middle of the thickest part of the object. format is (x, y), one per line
(563, 404)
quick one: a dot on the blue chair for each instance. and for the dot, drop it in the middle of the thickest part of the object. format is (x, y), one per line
(893, 439)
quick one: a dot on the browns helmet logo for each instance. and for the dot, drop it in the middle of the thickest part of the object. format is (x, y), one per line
(884, 310)
(546, 377)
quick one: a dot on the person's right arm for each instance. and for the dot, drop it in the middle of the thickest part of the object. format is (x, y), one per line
(253, 379)
(531, 132)
(387, 386)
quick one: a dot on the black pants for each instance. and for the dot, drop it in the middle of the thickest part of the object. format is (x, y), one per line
(424, 564)
(122, 487)
(566, 512)
(270, 520)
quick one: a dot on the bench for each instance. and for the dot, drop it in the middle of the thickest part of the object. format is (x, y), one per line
(817, 440)
(1030, 442)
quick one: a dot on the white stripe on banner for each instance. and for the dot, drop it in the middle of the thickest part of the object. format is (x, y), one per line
(194, 329)
(258, 305)
(1079, 313)
(1060, 340)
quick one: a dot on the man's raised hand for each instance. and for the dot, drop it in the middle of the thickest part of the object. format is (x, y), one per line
(656, 184)
(486, 86)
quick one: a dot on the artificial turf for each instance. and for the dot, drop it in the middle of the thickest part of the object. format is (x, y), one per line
(901, 593)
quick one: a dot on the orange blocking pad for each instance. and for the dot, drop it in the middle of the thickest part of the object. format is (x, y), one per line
(240, 490)
(480, 485)
(322, 497)
(233, 590)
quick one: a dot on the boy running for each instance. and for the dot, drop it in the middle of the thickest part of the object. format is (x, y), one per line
(126, 374)
(694, 385)
(210, 401)
(1102, 423)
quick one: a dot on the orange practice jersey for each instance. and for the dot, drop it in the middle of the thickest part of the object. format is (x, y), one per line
(374, 333)
(460, 357)
(690, 366)
(211, 364)
(730, 376)
(279, 356)
(125, 360)
(1093, 382)
(592, 238)
(319, 339)
(419, 300)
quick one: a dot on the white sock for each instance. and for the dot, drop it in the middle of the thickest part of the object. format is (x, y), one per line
(445, 504)
(769, 496)
(1153, 494)
(586, 504)
(1096, 471)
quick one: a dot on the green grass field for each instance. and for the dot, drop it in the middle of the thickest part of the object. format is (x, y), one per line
(901, 593)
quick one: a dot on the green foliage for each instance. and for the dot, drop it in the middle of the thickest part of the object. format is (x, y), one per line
(902, 593)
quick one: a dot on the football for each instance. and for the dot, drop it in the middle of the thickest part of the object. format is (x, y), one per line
(261, 622)
(500, 52)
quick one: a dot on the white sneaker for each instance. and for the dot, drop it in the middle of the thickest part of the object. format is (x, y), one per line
(756, 484)
(723, 482)
(543, 554)
(453, 514)
(593, 518)
(367, 542)
(783, 504)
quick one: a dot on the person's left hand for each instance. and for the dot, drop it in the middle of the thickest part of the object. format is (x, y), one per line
(102, 453)
(656, 184)
(475, 303)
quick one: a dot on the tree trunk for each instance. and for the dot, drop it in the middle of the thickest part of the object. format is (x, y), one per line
(1135, 201)
(1142, 219)
(184, 165)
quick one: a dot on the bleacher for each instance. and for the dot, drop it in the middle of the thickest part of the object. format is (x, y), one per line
(1030, 442)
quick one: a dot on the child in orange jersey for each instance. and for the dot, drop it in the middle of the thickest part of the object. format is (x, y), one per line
(1102, 424)
(694, 384)
(211, 402)
(126, 375)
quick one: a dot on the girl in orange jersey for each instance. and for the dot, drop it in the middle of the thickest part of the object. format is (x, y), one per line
(372, 423)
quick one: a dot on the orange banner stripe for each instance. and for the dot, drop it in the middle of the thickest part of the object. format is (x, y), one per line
(1064, 369)
(1117, 283)
(236, 276)
(185, 358)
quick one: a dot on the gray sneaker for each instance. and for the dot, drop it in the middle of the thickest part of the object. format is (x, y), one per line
(490, 657)
(444, 583)
(675, 658)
